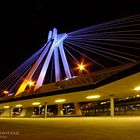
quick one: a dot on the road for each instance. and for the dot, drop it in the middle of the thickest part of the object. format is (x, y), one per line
(70, 128)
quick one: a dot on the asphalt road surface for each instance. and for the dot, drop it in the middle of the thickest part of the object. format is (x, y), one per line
(70, 128)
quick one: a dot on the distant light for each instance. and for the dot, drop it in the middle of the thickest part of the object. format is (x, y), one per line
(103, 103)
(81, 67)
(5, 91)
(19, 105)
(31, 83)
(137, 95)
(36, 103)
(10, 94)
(74, 76)
(93, 96)
(60, 100)
(66, 78)
(137, 88)
(6, 106)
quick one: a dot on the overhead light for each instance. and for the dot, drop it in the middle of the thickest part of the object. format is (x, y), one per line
(5, 91)
(36, 103)
(137, 95)
(18, 105)
(6, 106)
(93, 96)
(137, 88)
(31, 83)
(60, 100)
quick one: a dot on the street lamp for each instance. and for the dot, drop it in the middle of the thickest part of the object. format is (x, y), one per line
(81, 67)
(31, 83)
(5, 92)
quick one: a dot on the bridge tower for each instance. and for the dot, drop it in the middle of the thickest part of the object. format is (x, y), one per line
(52, 47)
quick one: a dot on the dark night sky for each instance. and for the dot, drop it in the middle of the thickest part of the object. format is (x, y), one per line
(24, 25)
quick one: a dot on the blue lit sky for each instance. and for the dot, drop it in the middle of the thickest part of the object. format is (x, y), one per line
(25, 25)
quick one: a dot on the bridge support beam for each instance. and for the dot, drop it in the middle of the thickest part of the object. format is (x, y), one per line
(64, 60)
(23, 112)
(28, 112)
(7, 112)
(57, 65)
(44, 68)
(77, 109)
(60, 109)
(45, 110)
(11, 111)
(111, 105)
(54, 42)
(33, 69)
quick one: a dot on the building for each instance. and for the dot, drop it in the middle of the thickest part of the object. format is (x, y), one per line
(88, 95)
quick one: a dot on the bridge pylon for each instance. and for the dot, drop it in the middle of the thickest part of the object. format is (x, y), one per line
(52, 48)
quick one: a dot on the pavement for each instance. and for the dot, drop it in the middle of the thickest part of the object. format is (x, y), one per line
(70, 128)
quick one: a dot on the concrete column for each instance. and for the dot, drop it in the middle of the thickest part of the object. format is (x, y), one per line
(29, 112)
(77, 109)
(39, 110)
(11, 111)
(1, 112)
(23, 112)
(45, 110)
(112, 106)
(103, 110)
(95, 112)
(7, 112)
(60, 109)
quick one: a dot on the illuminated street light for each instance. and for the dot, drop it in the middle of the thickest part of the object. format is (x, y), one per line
(81, 67)
(137, 88)
(5, 92)
(36, 103)
(19, 105)
(6, 107)
(93, 96)
(60, 100)
(31, 83)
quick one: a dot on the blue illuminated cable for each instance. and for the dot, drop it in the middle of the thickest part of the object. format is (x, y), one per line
(109, 42)
(85, 56)
(107, 49)
(102, 25)
(71, 55)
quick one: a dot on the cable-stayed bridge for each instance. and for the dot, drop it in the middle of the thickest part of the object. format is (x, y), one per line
(81, 52)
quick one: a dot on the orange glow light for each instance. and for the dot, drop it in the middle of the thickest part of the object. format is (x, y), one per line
(31, 83)
(5, 92)
(81, 66)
